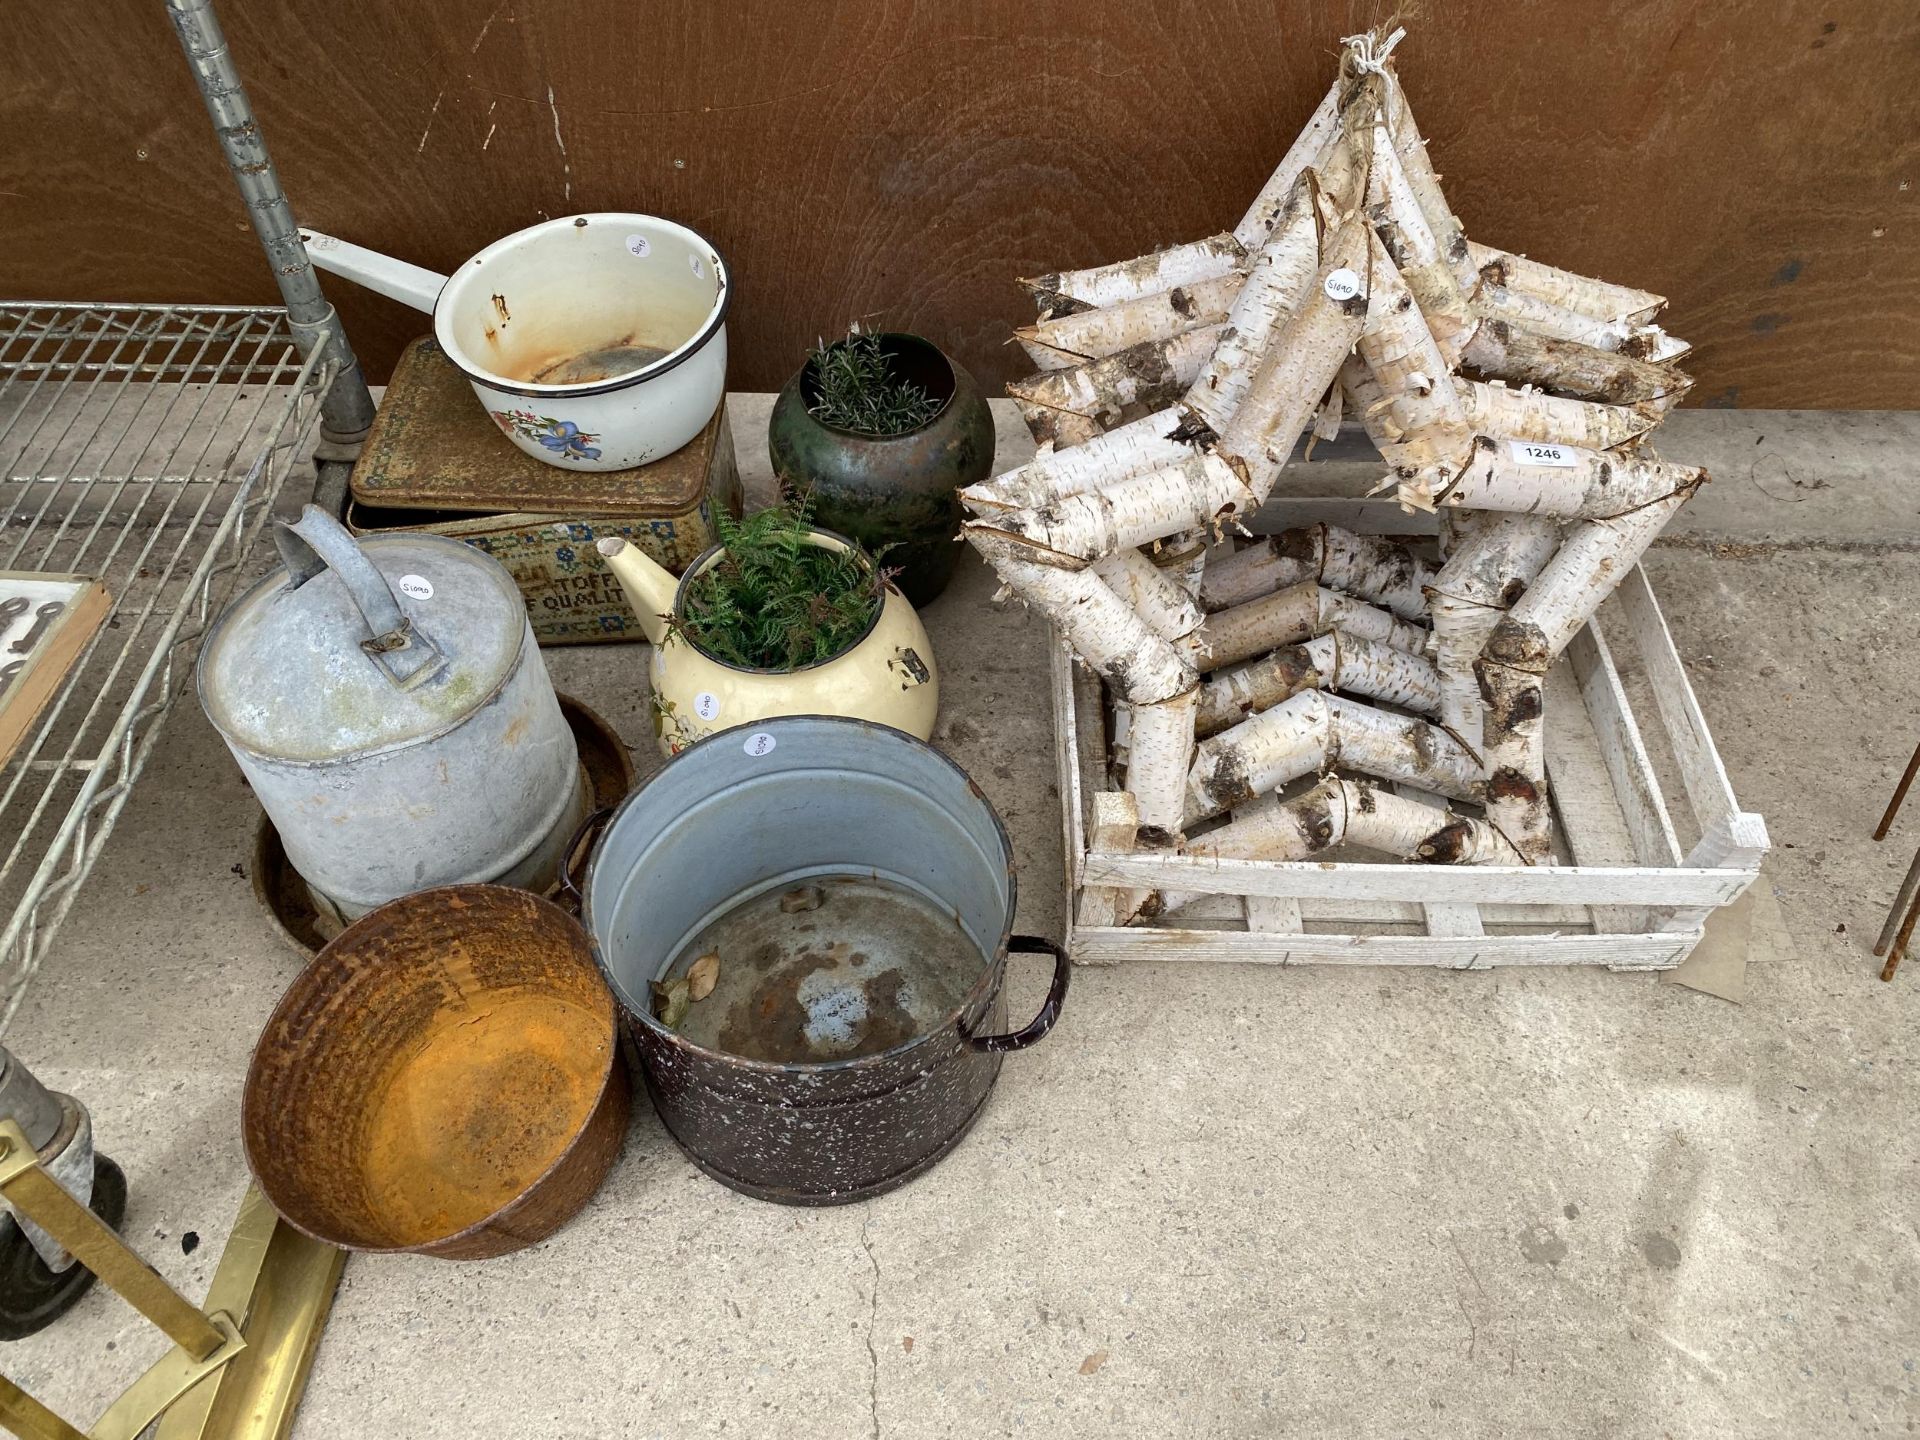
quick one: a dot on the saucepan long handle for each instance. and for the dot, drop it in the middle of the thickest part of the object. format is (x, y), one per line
(397, 280)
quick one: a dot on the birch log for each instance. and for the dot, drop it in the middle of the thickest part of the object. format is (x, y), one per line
(1369, 404)
(1372, 567)
(1489, 569)
(1302, 360)
(1334, 661)
(1316, 731)
(1401, 224)
(1277, 279)
(1644, 342)
(1505, 351)
(1341, 811)
(1199, 491)
(1411, 151)
(1102, 629)
(1528, 414)
(1071, 406)
(1160, 745)
(1090, 334)
(1416, 379)
(1296, 613)
(1184, 558)
(1557, 322)
(1512, 668)
(1134, 448)
(1124, 280)
(1263, 215)
(1599, 298)
(1562, 480)
(1170, 610)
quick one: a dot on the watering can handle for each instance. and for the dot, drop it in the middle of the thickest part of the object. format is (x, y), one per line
(316, 542)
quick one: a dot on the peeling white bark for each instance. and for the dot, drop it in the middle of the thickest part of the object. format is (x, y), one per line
(1369, 404)
(1124, 280)
(1071, 406)
(1184, 558)
(1593, 559)
(1157, 597)
(1341, 811)
(1160, 744)
(1417, 166)
(1372, 567)
(1296, 613)
(1103, 630)
(1424, 264)
(1134, 448)
(1543, 317)
(1413, 376)
(1316, 731)
(1512, 668)
(1505, 351)
(1276, 282)
(1491, 565)
(1334, 661)
(1528, 414)
(1262, 215)
(1594, 486)
(1600, 299)
(1303, 359)
(1087, 335)
(1195, 493)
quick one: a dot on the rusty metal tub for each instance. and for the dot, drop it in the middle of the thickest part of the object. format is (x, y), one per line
(858, 892)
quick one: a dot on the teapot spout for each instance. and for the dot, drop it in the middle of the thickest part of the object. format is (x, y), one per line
(650, 586)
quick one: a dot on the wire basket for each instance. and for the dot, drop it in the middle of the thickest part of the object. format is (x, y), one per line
(141, 445)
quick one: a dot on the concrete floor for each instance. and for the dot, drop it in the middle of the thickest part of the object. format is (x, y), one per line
(1219, 1201)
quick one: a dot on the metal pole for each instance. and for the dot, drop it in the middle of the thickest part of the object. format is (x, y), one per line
(347, 411)
(38, 1195)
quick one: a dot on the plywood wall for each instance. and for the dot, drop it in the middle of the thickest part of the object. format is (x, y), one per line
(1757, 160)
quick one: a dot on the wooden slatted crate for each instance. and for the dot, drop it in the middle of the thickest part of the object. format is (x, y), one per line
(1650, 837)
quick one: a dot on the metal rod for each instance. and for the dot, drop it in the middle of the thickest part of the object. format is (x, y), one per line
(29, 1419)
(283, 1283)
(1899, 796)
(1901, 900)
(40, 1197)
(347, 412)
(1899, 950)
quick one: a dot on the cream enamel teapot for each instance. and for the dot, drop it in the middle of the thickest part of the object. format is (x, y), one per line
(887, 676)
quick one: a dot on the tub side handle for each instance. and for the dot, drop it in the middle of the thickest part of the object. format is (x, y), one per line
(579, 850)
(1037, 1028)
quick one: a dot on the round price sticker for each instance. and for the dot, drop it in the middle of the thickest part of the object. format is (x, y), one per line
(1341, 285)
(706, 705)
(759, 743)
(416, 587)
(638, 245)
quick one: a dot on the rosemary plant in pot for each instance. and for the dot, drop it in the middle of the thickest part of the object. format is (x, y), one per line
(781, 617)
(883, 430)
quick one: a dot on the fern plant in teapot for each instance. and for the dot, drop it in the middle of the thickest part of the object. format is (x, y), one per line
(780, 617)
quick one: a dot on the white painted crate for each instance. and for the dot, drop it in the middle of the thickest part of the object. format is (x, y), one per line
(1634, 896)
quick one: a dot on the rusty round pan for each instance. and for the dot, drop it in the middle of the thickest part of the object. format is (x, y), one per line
(287, 901)
(444, 1078)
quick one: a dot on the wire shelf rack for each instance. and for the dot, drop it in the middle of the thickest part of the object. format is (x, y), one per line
(142, 445)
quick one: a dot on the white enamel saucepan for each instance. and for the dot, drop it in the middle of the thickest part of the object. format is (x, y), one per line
(596, 342)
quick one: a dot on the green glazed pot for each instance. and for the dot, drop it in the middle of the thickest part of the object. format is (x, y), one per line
(901, 491)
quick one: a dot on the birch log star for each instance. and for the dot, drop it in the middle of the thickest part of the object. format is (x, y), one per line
(1513, 399)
